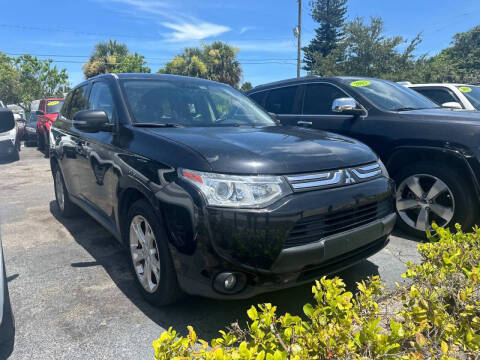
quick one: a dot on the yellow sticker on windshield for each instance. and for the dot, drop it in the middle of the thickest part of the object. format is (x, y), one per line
(465, 89)
(360, 83)
(51, 103)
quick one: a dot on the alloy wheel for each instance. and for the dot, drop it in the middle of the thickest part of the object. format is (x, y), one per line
(59, 190)
(144, 252)
(422, 199)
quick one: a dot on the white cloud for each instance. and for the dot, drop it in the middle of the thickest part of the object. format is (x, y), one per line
(185, 27)
(246, 28)
(186, 31)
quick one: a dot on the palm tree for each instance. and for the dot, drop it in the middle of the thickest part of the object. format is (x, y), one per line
(105, 57)
(222, 63)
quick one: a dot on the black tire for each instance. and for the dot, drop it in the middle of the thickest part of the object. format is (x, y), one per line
(40, 144)
(167, 290)
(16, 154)
(69, 209)
(465, 206)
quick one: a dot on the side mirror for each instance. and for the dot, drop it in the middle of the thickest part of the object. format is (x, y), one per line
(91, 120)
(39, 112)
(452, 105)
(347, 106)
(17, 117)
(7, 122)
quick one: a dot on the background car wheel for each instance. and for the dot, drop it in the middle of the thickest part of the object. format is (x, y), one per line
(151, 261)
(66, 207)
(433, 192)
(40, 142)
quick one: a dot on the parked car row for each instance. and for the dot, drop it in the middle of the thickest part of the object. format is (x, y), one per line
(214, 196)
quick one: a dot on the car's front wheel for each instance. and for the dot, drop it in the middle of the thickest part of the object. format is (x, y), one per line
(433, 192)
(65, 205)
(150, 256)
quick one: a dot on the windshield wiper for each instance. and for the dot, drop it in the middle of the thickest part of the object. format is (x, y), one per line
(163, 125)
(405, 109)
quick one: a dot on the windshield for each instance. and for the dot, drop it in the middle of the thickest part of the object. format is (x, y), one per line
(190, 103)
(472, 93)
(54, 106)
(388, 95)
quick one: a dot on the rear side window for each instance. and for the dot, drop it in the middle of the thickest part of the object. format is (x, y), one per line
(79, 101)
(282, 100)
(438, 96)
(258, 97)
(319, 99)
(101, 99)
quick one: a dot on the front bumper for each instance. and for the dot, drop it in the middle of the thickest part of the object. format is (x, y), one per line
(30, 135)
(255, 242)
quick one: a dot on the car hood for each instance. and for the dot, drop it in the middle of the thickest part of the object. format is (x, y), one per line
(447, 114)
(270, 150)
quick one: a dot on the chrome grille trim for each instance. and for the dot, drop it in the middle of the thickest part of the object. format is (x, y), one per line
(335, 178)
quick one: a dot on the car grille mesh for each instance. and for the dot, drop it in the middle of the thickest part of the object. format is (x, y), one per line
(314, 228)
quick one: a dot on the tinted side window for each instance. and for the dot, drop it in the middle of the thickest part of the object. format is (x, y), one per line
(319, 99)
(79, 101)
(281, 101)
(438, 96)
(101, 99)
(66, 105)
(258, 97)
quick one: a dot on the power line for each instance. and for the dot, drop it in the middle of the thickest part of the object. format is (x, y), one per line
(105, 35)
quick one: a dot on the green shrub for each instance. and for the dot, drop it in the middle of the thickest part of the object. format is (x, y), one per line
(437, 316)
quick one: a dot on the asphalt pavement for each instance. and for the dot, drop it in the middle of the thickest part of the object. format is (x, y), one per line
(72, 292)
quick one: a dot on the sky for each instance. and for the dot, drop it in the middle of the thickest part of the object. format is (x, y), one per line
(67, 30)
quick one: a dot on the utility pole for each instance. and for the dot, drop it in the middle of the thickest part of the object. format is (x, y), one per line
(299, 36)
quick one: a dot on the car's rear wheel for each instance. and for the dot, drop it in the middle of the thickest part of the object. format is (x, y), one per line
(65, 205)
(151, 261)
(428, 193)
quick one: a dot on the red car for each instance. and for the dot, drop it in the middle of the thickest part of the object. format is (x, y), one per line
(47, 113)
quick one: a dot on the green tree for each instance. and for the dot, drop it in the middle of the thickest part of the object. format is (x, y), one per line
(111, 57)
(330, 14)
(38, 79)
(216, 62)
(132, 63)
(460, 62)
(366, 51)
(9, 80)
(186, 66)
(246, 86)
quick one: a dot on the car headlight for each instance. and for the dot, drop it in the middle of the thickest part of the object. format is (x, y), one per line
(237, 191)
(384, 168)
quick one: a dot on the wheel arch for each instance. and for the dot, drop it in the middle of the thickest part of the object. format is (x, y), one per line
(127, 198)
(404, 156)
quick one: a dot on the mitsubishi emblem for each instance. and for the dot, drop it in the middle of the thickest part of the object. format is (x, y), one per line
(348, 178)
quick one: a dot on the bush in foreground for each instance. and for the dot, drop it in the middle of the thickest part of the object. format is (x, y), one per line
(436, 317)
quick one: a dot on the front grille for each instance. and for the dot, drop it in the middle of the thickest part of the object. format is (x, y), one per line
(314, 228)
(334, 178)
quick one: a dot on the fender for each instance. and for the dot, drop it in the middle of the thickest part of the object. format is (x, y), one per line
(462, 155)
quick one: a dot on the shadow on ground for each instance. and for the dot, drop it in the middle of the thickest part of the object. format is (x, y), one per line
(191, 310)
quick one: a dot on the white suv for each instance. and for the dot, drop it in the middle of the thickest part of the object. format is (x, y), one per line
(455, 96)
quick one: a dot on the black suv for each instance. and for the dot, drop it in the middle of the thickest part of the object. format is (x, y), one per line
(210, 195)
(432, 153)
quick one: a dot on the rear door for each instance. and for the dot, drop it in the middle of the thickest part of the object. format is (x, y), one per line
(284, 103)
(76, 161)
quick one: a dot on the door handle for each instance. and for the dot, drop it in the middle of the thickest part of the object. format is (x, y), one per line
(304, 123)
